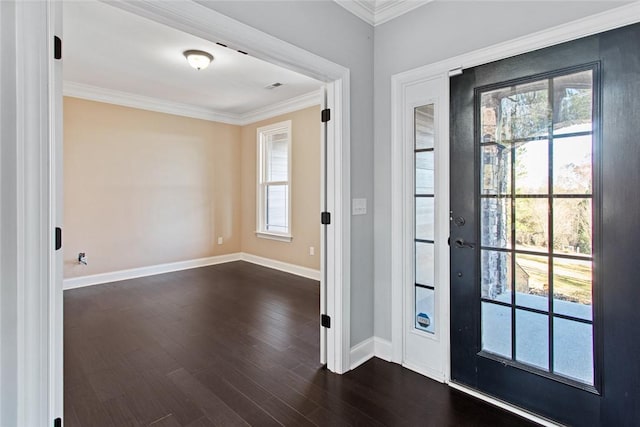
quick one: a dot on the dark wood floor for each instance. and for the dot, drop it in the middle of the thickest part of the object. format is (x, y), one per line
(229, 345)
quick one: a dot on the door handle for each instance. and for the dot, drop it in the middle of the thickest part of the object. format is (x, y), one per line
(460, 243)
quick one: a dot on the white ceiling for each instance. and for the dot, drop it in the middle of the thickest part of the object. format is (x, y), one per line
(376, 12)
(113, 52)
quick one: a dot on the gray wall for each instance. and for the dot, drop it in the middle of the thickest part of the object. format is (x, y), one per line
(8, 220)
(328, 30)
(433, 32)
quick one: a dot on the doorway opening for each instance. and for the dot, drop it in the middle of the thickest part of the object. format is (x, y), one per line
(188, 16)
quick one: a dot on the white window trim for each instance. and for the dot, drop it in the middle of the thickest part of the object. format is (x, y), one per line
(261, 230)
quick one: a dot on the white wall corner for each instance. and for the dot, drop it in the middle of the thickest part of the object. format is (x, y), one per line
(362, 352)
(369, 348)
(309, 273)
(152, 270)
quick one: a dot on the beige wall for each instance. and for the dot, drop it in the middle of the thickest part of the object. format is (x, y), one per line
(305, 191)
(143, 188)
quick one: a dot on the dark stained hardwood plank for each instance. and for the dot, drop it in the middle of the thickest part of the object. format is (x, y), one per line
(233, 345)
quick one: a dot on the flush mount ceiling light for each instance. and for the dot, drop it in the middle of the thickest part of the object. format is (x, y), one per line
(198, 59)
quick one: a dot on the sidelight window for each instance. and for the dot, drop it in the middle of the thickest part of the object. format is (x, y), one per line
(424, 204)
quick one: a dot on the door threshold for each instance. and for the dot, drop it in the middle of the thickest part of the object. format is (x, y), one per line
(504, 405)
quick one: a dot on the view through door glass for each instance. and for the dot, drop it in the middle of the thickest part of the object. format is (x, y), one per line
(536, 230)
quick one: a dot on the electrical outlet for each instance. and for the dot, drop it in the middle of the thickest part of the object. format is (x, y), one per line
(312, 250)
(220, 240)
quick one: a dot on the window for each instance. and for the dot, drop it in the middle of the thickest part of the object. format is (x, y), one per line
(424, 204)
(274, 182)
(536, 201)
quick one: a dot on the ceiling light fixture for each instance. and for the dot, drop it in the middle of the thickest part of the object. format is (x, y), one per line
(198, 59)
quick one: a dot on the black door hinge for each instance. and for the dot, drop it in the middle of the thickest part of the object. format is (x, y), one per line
(57, 47)
(58, 238)
(325, 321)
(57, 422)
(325, 218)
(325, 115)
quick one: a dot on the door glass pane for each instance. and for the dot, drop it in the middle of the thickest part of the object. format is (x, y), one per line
(572, 230)
(538, 187)
(572, 355)
(424, 263)
(572, 95)
(532, 224)
(424, 217)
(424, 126)
(424, 172)
(425, 314)
(573, 288)
(572, 157)
(532, 281)
(496, 276)
(516, 112)
(532, 338)
(532, 167)
(495, 222)
(496, 329)
(495, 168)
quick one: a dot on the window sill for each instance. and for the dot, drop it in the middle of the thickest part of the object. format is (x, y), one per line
(274, 236)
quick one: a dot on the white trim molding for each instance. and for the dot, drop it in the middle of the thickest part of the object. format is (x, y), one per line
(503, 405)
(361, 352)
(152, 270)
(376, 12)
(369, 348)
(298, 270)
(126, 99)
(301, 102)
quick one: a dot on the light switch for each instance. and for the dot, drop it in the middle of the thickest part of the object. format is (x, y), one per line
(359, 207)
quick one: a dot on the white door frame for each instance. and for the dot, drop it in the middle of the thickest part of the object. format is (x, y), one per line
(614, 18)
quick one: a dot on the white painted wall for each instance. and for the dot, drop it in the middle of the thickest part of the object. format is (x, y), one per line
(328, 30)
(433, 32)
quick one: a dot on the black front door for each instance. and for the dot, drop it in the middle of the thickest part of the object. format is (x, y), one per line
(545, 200)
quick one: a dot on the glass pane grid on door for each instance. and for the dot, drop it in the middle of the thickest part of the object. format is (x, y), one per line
(424, 219)
(536, 227)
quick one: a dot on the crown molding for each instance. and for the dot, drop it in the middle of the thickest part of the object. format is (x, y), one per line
(378, 12)
(109, 96)
(364, 10)
(307, 100)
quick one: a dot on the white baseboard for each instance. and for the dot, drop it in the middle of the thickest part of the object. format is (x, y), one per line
(382, 348)
(116, 276)
(506, 406)
(371, 347)
(309, 273)
(361, 352)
